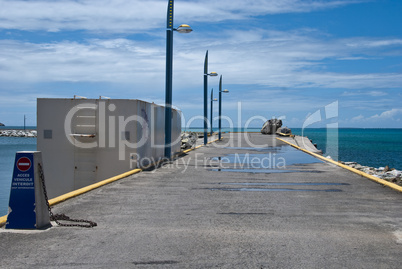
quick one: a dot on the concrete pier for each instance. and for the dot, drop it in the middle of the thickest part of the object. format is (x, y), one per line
(248, 201)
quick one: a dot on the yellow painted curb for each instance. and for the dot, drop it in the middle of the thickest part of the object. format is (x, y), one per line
(83, 190)
(373, 178)
(3, 220)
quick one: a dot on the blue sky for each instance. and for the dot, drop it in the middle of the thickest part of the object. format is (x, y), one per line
(286, 59)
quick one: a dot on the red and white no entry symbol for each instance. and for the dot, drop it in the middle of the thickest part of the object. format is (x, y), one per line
(23, 164)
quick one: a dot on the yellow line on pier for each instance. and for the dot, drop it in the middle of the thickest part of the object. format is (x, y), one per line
(3, 220)
(83, 190)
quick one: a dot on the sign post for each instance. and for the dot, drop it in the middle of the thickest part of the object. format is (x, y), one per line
(27, 207)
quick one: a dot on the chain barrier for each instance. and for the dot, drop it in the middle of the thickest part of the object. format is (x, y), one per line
(58, 217)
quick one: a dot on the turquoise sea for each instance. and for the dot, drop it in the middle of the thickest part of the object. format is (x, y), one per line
(371, 147)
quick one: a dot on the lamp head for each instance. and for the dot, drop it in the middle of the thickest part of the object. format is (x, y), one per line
(184, 29)
(213, 74)
(225, 90)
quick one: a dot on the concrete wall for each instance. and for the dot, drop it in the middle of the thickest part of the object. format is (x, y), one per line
(84, 141)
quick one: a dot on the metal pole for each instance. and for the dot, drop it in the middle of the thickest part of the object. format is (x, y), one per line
(169, 72)
(220, 108)
(212, 105)
(205, 99)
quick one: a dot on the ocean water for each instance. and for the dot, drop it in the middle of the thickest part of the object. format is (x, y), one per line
(371, 147)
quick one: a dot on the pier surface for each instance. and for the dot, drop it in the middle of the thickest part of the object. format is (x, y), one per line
(248, 201)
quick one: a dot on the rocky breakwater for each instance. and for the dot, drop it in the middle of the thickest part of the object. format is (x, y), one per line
(18, 133)
(386, 173)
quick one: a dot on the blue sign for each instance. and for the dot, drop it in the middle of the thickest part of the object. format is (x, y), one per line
(22, 196)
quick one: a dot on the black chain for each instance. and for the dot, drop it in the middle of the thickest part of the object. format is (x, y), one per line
(58, 217)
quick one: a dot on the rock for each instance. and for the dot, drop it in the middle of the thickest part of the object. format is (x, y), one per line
(284, 131)
(388, 176)
(271, 126)
(188, 140)
(395, 173)
(358, 167)
(367, 171)
(370, 171)
(1, 124)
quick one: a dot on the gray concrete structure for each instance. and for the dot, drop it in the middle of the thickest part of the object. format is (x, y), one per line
(249, 201)
(84, 141)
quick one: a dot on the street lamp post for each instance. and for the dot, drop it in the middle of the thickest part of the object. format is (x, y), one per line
(206, 74)
(212, 106)
(220, 107)
(184, 28)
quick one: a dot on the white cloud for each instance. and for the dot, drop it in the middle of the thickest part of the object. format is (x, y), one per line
(389, 114)
(269, 58)
(354, 58)
(364, 93)
(373, 43)
(111, 61)
(357, 118)
(135, 15)
(115, 15)
(291, 59)
(386, 117)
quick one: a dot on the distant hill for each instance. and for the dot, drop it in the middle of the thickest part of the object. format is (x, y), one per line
(1, 124)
